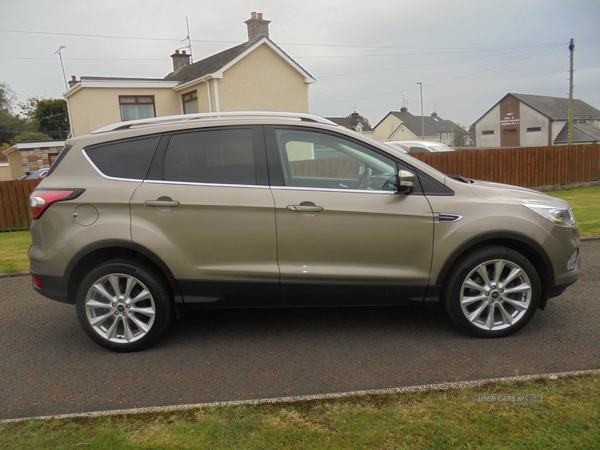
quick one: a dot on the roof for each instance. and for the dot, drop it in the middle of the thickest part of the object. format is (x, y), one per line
(433, 124)
(555, 108)
(438, 124)
(350, 123)
(220, 61)
(32, 144)
(209, 65)
(416, 129)
(582, 132)
(558, 107)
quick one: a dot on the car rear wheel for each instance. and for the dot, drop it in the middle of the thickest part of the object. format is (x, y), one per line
(492, 292)
(124, 306)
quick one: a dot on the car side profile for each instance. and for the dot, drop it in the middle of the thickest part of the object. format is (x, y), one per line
(142, 219)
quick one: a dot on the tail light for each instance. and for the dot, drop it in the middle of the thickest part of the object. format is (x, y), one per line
(41, 200)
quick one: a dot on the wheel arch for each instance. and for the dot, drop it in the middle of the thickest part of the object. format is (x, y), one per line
(94, 254)
(533, 251)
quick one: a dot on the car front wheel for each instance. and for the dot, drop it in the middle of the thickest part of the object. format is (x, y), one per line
(124, 306)
(492, 292)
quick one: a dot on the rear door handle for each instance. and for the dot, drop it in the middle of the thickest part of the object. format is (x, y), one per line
(304, 208)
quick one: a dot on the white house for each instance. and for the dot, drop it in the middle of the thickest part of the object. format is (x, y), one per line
(520, 120)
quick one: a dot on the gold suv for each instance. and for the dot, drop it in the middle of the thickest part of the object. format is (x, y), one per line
(143, 218)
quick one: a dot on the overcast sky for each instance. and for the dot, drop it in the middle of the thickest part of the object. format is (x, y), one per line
(365, 55)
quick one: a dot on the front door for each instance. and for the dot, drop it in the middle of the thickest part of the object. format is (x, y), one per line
(341, 226)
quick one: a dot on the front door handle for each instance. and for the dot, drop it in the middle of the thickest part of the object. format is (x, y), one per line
(162, 202)
(305, 208)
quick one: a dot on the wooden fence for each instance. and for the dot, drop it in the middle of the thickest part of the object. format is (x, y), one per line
(527, 167)
(14, 204)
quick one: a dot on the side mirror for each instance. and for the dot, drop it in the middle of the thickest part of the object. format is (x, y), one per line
(406, 181)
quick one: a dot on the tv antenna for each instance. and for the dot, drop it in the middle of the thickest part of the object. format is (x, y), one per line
(188, 40)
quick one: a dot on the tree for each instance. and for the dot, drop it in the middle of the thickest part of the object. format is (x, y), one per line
(10, 124)
(30, 136)
(7, 97)
(460, 136)
(52, 117)
(28, 107)
(361, 119)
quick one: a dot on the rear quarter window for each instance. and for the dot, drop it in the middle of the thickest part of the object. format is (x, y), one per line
(128, 158)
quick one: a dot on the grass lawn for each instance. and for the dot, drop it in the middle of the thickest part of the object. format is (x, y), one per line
(586, 204)
(13, 251)
(566, 417)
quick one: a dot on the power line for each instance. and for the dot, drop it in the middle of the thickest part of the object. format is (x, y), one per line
(148, 38)
(433, 64)
(431, 84)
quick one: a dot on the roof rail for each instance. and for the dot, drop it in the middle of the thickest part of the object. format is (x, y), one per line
(158, 120)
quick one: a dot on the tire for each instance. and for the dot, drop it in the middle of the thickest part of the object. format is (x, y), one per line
(492, 292)
(124, 306)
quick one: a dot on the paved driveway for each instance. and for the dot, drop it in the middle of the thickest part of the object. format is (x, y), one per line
(49, 366)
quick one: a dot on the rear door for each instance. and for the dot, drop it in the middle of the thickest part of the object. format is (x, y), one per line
(207, 212)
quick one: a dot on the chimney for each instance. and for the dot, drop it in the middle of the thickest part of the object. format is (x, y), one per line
(404, 109)
(180, 60)
(73, 81)
(257, 27)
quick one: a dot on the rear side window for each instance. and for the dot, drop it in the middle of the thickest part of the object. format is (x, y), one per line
(129, 158)
(212, 156)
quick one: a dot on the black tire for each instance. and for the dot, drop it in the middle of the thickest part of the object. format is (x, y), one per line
(492, 292)
(131, 319)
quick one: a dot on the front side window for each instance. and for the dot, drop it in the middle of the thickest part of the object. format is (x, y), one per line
(313, 159)
(212, 156)
(137, 107)
(190, 102)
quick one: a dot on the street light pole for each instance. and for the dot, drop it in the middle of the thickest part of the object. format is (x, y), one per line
(422, 119)
(59, 51)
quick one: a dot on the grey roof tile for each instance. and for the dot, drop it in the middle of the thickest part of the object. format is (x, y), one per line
(558, 107)
(582, 132)
(216, 62)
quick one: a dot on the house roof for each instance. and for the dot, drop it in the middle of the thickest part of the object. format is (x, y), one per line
(438, 124)
(558, 107)
(220, 61)
(26, 145)
(350, 123)
(582, 132)
(414, 125)
(416, 129)
(555, 108)
(433, 124)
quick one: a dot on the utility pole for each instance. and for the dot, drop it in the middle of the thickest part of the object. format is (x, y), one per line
(570, 122)
(422, 119)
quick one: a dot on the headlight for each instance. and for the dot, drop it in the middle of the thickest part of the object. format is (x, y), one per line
(555, 214)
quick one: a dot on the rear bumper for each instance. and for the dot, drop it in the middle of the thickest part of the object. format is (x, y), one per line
(54, 288)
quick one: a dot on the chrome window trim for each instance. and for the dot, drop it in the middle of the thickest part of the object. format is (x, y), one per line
(192, 183)
(355, 191)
